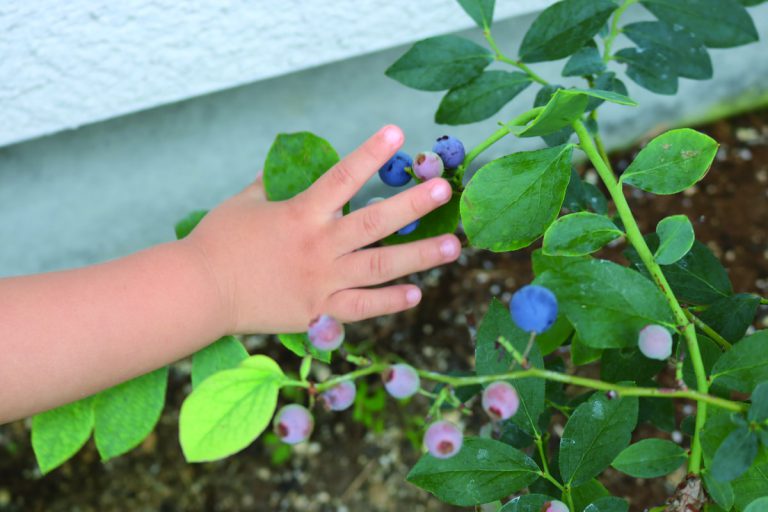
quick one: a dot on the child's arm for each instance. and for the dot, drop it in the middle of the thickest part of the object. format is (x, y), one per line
(250, 266)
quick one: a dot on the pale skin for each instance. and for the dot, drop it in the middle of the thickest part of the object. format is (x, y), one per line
(251, 266)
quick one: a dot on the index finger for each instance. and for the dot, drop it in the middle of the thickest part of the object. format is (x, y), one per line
(337, 186)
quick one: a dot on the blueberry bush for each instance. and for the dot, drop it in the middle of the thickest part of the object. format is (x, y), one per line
(672, 312)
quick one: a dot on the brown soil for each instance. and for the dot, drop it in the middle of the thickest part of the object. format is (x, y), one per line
(349, 468)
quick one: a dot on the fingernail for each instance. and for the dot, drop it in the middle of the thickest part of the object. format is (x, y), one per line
(440, 192)
(392, 134)
(448, 248)
(413, 295)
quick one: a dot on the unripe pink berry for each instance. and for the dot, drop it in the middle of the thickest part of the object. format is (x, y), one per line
(340, 396)
(427, 165)
(555, 506)
(293, 424)
(326, 333)
(500, 400)
(401, 380)
(443, 439)
(655, 342)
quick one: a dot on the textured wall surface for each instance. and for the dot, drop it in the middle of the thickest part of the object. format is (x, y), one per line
(115, 187)
(68, 63)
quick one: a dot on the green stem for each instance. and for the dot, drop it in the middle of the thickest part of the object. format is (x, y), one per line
(615, 31)
(545, 473)
(496, 136)
(635, 237)
(516, 63)
(568, 497)
(584, 382)
(363, 372)
(724, 344)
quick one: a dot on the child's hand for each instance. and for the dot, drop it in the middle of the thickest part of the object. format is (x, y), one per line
(277, 265)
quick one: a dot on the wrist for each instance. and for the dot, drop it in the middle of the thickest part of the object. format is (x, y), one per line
(219, 304)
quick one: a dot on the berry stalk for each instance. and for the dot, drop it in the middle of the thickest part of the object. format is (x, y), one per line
(635, 237)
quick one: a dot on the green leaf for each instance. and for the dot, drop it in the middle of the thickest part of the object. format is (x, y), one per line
(606, 82)
(58, 434)
(750, 486)
(607, 303)
(684, 51)
(735, 455)
(582, 354)
(676, 238)
(710, 353)
(563, 28)
(608, 504)
(562, 135)
(731, 316)
(565, 106)
(584, 495)
(294, 162)
(492, 359)
(581, 195)
(649, 69)
(188, 223)
(659, 412)
(745, 365)
(751, 3)
(437, 222)
(650, 458)
(229, 409)
(483, 471)
(553, 338)
(480, 98)
(479, 10)
(759, 410)
(222, 354)
(526, 503)
(585, 62)
(299, 344)
(671, 162)
(759, 505)
(698, 278)
(596, 432)
(719, 23)
(628, 364)
(720, 492)
(579, 234)
(124, 415)
(440, 63)
(509, 202)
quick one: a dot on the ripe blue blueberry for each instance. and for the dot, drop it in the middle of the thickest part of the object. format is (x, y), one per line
(393, 172)
(443, 439)
(533, 308)
(428, 165)
(340, 396)
(401, 380)
(555, 506)
(410, 228)
(293, 424)
(500, 400)
(451, 151)
(655, 342)
(326, 333)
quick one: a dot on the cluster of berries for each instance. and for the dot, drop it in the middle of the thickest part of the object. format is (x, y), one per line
(533, 308)
(447, 153)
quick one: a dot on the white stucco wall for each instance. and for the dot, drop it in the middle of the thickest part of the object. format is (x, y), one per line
(68, 63)
(110, 188)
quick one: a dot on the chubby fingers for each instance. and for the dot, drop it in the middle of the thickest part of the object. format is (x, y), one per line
(375, 266)
(379, 220)
(360, 304)
(337, 186)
